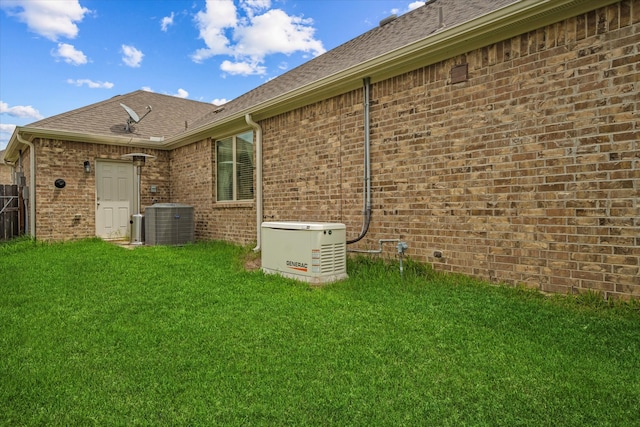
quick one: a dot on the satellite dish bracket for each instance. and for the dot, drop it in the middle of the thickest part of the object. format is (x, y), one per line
(133, 117)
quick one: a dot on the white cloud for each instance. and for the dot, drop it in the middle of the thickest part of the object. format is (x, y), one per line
(218, 15)
(69, 54)
(22, 111)
(242, 68)
(219, 101)
(276, 32)
(181, 93)
(413, 5)
(253, 6)
(90, 83)
(49, 18)
(131, 56)
(5, 133)
(146, 89)
(201, 55)
(4, 128)
(248, 40)
(166, 22)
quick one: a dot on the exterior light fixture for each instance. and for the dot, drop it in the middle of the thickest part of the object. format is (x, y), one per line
(87, 166)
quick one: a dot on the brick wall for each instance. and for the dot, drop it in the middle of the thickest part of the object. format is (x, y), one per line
(526, 173)
(312, 162)
(6, 176)
(155, 172)
(191, 183)
(69, 213)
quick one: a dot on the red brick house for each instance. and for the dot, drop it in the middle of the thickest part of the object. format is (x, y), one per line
(503, 134)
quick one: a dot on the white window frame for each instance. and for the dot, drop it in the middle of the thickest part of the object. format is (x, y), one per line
(235, 166)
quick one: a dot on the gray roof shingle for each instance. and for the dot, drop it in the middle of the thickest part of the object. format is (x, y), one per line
(167, 118)
(170, 113)
(406, 29)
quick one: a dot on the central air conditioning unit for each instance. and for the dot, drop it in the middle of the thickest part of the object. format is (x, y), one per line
(311, 252)
(168, 224)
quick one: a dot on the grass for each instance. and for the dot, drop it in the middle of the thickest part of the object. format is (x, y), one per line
(94, 334)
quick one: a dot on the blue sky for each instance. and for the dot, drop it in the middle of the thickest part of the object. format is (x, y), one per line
(58, 55)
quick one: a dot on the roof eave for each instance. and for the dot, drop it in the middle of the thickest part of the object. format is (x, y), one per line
(30, 133)
(449, 42)
(485, 30)
(502, 24)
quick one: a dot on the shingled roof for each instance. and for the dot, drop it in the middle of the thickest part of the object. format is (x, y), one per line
(169, 116)
(404, 30)
(447, 27)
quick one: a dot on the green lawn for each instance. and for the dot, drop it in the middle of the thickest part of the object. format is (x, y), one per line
(95, 334)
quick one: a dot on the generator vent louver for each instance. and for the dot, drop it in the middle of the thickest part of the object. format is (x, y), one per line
(333, 257)
(311, 252)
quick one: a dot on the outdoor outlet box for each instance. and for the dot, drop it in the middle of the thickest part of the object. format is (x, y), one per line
(153, 189)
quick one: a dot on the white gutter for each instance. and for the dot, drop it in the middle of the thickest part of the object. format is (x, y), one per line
(11, 152)
(258, 130)
(32, 185)
(516, 18)
(34, 132)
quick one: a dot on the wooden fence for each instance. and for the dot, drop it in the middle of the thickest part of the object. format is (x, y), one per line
(11, 213)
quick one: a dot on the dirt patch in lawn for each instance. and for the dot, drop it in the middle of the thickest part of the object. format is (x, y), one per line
(252, 262)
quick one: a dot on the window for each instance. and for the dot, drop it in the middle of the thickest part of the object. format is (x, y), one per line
(234, 168)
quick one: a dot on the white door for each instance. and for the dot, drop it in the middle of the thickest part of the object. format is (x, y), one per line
(114, 199)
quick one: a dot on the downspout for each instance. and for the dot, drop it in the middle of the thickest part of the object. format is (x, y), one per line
(32, 185)
(367, 164)
(258, 130)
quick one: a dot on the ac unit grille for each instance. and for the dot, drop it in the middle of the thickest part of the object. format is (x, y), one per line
(169, 224)
(332, 257)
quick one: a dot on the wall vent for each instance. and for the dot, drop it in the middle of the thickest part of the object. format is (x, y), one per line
(460, 73)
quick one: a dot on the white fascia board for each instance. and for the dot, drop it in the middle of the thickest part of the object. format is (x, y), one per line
(31, 133)
(510, 21)
(514, 19)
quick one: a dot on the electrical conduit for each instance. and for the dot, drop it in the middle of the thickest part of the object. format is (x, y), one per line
(367, 164)
(401, 246)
